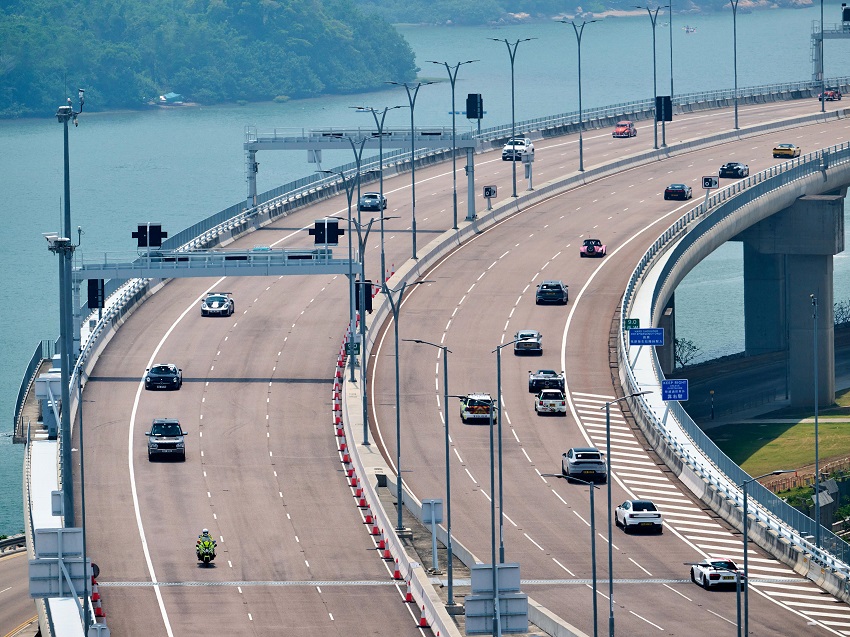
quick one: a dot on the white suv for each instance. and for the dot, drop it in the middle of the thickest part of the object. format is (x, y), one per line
(514, 149)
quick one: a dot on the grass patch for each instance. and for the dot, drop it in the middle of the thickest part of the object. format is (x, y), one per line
(767, 446)
(841, 407)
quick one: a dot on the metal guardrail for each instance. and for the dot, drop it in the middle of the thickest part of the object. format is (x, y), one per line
(14, 542)
(717, 468)
(44, 350)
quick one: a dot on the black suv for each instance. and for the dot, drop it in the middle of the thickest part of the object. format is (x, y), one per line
(552, 292)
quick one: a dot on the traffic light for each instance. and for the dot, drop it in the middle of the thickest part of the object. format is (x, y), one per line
(326, 231)
(474, 106)
(156, 235)
(663, 108)
(364, 287)
(95, 293)
(141, 236)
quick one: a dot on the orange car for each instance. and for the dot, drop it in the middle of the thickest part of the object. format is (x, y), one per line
(624, 129)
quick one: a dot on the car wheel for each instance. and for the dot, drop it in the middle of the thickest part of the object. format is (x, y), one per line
(660, 529)
(582, 254)
(705, 583)
(693, 578)
(626, 528)
(537, 301)
(183, 457)
(617, 521)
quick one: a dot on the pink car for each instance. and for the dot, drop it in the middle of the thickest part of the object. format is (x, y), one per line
(593, 248)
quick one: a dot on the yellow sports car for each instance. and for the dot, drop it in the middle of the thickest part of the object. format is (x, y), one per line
(786, 150)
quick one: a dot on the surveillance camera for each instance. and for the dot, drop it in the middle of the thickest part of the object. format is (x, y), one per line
(50, 237)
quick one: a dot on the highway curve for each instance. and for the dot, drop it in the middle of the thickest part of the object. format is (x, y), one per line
(262, 469)
(479, 297)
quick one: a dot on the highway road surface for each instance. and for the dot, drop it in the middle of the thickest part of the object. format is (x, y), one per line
(17, 610)
(262, 469)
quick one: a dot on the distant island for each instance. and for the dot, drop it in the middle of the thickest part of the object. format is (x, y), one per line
(130, 54)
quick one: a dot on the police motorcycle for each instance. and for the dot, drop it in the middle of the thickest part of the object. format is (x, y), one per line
(205, 548)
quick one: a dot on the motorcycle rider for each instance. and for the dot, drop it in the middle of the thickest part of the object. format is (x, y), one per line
(205, 540)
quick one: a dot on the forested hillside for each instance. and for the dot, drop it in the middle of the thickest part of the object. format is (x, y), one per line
(126, 52)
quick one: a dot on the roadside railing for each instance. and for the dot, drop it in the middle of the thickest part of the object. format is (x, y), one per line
(699, 452)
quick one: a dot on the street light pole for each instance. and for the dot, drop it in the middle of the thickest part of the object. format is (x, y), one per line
(412, 101)
(497, 615)
(512, 53)
(608, 484)
(746, 542)
(822, 74)
(670, 24)
(734, 4)
(445, 353)
(379, 124)
(579, 30)
(66, 250)
(452, 71)
(498, 352)
(395, 306)
(817, 450)
(592, 538)
(653, 17)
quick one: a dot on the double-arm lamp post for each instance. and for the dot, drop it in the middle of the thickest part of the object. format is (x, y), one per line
(608, 481)
(452, 71)
(579, 30)
(512, 47)
(444, 352)
(592, 536)
(395, 306)
(379, 124)
(411, 99)
(653, 17)
(746, 543)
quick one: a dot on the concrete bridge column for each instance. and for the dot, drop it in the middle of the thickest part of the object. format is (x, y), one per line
(811, 275)
(801, 240)
(764, 301)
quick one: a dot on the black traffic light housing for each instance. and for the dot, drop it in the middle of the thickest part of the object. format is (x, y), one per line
(149, 235)
(95, 293)
(365, 288)
(474, 106)
(326, 231)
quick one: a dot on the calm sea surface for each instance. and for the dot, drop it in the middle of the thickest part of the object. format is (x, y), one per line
(178, 166)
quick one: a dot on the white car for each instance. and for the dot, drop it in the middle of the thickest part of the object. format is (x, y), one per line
(638, 514)
(550, 401)
(528, 342)
(516, 147)
(718, 571)
(218, 304)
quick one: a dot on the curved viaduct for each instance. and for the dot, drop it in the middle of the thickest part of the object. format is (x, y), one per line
(263, 470)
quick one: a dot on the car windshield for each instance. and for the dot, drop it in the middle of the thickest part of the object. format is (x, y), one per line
(161, 369)
(724, 564)
(643, 505)
(525, 335)
(593, 242)
(677, 186)
(785, 146)
(551, 394)
(546, 372)
(476, 402)
(216, 299)
(624, 124)
(516, 142)
(170, 429)
(549, 286)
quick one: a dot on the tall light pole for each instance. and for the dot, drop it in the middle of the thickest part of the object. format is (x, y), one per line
(822, 65)
(497, 614)
(395, 306)
(579, 30)
(379, 124)
(592, 537)
(452, 71)
(817, 450)
(734, 4)
(670, 25)
(411, 98)
(498, 352)
(512, 47)
(608, 483)
(445, 351)
(65, 249)
(653, 17)
(746, 542)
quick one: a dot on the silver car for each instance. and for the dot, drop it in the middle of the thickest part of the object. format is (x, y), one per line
(528, 342)
(584, 463)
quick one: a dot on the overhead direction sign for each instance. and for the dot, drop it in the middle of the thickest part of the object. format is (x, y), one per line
(646, 336)
(674, 389)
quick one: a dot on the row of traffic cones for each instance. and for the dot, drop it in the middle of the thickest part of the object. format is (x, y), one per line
(95, 599)
(354, 483)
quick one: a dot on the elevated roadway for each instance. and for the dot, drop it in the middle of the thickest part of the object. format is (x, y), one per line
(262, 470)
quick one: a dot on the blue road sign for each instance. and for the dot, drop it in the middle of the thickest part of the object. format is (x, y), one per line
(674, 389)
(646, 336)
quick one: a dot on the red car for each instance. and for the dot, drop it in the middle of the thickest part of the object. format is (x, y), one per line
(593, 248)
(830, 95)
(624, 129)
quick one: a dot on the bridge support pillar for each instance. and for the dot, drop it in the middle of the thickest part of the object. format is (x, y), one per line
(667, 352)
(251, 169)
(765, 329)
(794, 250)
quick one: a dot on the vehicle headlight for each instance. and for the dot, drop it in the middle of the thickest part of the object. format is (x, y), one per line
(153, 445)
(180, 445)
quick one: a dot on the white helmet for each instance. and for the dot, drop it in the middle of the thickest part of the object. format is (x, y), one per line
(205, 532)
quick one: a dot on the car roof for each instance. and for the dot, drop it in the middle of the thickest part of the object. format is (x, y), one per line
(479, 396)
(585, 449)
(624, 122)
(552, 282)
(594, 241)
(528, 332)
(676, 186)
(785, 145)
(166, 421)
(551, 372)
